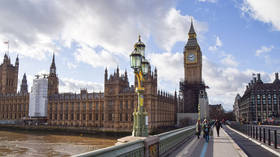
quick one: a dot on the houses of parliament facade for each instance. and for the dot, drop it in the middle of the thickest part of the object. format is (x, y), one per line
(110, 110)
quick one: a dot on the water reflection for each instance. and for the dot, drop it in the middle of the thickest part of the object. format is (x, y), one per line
(39, 144)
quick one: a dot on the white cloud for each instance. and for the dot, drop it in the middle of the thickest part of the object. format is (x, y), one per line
(114, 26)
(266, 11)
(68, 85)
(217, 44)
(71, 65)
(88, 55)
(71, 85)
(229, 60)
(226, 82)
(264, 49)
(174, 28)
(211, 1)
(170, 65)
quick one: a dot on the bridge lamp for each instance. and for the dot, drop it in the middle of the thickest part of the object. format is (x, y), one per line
(145, 66)
(135, 59)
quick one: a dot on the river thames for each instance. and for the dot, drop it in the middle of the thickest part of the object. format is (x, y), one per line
(31, 144)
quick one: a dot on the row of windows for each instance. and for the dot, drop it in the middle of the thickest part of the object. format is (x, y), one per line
(90, 107)
(265, 91)
(66, 106)
(83, 116)
(11, 116)
(13, 107)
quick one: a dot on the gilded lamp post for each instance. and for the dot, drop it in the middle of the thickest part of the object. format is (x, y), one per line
(140, 66)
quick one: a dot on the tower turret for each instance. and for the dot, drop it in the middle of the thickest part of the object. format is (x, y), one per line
(106, 75)
(24, 86)
(17, 62)
(125, 75)
(8, 76)
(53, 79)
(53, 67)
(118, 71)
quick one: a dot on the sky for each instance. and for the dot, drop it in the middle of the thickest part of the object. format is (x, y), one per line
(237, 38)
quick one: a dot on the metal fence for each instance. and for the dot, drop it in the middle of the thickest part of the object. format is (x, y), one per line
(265, 134)
(166, 142)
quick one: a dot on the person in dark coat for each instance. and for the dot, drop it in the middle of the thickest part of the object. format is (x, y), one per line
(218, 125)
(206, 129)
(198, 128)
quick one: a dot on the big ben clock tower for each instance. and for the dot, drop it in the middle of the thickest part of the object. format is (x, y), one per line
(192, 59)
(192, 84)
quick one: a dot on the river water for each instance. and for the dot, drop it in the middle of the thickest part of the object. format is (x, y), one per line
(31, 144)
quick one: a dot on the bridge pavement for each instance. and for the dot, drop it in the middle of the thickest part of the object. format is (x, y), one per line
(252, 149)
(222, 146)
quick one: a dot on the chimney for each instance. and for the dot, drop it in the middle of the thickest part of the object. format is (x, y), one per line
(276, 76)
(255, 80)
(259, 76)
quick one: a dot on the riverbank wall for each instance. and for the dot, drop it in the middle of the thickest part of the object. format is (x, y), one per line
(66, 130)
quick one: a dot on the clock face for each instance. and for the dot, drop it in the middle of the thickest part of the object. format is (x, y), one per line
(191, 57)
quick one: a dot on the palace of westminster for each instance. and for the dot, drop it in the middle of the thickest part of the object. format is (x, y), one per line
(112, 109)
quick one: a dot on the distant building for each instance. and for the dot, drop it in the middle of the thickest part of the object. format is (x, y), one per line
(216, 111)
(38, 99)
(260, 100)
(204, 105)
(236, 107)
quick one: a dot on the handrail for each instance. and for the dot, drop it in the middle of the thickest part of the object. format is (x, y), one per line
(115, 150)
(165, 141)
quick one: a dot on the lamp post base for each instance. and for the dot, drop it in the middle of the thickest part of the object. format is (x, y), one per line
(140, 128)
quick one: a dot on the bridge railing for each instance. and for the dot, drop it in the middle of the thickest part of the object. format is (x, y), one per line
(169, 140)
(157, 145)
(135, 149)
(265, 134)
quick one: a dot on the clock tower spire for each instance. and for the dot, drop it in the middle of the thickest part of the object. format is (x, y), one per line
(192, 58)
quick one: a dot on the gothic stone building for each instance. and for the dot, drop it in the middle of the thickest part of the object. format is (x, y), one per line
(111, 110)
(260, 100)
(13, 105)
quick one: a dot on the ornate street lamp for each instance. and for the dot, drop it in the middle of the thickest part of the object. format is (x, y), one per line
(145, 66)
(140, 66)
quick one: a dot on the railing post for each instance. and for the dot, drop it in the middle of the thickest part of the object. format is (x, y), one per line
(256, 132)
(248, 131)
(269, 140)
(252, 131)
(275, 139)
(260, 133)
(263, 135)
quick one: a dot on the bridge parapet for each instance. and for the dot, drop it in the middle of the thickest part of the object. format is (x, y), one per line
(157, 145)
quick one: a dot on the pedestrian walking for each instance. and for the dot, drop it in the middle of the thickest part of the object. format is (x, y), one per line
(198, 128)
(206, 130)
(218, 125)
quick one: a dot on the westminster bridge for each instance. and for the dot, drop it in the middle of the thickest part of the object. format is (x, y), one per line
(234, 141)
